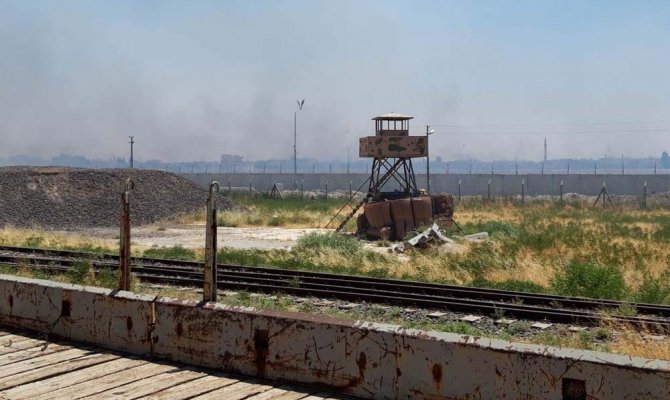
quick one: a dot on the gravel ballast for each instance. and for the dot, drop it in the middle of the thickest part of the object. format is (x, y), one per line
(57, 197)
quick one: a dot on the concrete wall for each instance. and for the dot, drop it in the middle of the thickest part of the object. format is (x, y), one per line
(362, 359)
(471, 185)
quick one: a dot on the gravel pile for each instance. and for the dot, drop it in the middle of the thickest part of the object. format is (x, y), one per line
(63, 198)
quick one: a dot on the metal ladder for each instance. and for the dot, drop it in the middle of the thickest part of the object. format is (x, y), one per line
(357, 206)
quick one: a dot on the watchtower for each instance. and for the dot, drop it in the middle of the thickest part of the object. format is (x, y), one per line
(392, 150)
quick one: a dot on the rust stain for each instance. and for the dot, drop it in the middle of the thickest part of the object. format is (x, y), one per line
(261, 347)
(437, 375)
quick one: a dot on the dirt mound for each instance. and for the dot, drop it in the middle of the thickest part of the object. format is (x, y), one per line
(69, 197)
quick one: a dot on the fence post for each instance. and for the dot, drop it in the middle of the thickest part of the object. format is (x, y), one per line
(561, 191)
(459, 190)
(523, 191)
(124, 245)
(489, 189)
(326, 190)
(350, 193)
(644, 196)
(210, 283)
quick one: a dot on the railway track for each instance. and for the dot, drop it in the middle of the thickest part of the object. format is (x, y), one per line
(532, 306)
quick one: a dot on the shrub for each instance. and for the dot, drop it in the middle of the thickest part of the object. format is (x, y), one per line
(177, 252)
(653, 290)
(338, 242)
(590, 280)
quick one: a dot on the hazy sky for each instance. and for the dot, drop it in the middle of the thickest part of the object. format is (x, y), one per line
(194, 79)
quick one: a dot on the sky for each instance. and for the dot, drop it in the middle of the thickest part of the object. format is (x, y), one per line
(191, 80)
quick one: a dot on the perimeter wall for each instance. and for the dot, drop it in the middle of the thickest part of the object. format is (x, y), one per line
(470, 184)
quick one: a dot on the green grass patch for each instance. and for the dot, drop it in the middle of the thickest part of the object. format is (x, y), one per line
(177, 252)
(590, 280)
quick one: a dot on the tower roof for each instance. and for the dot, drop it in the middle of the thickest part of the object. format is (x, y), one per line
(393, 117)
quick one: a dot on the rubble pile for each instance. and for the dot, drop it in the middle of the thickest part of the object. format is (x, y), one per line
(64, 198)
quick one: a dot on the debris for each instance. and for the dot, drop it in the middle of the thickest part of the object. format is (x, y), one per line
(471, 318)
(573, 328)
(347, 306)
(436, 314)
(430, 236)
(398, 249)
(541, 325)
(477, 237)
(505, 321)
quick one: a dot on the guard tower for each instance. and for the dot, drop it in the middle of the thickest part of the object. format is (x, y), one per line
(392, 150)
(392, 174)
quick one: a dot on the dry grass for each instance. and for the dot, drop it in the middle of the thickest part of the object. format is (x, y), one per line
(11, 236)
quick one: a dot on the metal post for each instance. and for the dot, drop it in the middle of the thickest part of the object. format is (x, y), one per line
(301, 191)
(427, 160)
(330, 168)
(561, 191)
(250, 190)
(644, 196)
(568, 167)
(295, 137)
(595, 168)
(489, 190)
(459, 190)
(229, 187)
(326, 190)
(523, 191)
(516, 169)
(470, 168)
(210, 283)
(132, 142)
(542, 168)
(349, 188)
(124, 245)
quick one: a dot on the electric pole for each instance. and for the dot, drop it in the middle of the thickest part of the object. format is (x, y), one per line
(295, 137)
(132, 141)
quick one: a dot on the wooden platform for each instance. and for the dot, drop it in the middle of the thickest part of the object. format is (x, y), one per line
(31, 368)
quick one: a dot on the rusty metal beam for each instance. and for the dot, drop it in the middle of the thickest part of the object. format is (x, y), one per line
(210, 288)
(124, 246)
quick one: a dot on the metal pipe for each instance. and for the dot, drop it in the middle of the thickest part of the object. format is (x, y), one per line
(124, 245)
(210, 287)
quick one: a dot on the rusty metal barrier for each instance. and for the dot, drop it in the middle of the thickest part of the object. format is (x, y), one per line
(124, 246)
(209, 290)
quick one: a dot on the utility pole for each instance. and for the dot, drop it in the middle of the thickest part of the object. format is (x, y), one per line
(295, 138)
(428, 133)
(132, 141)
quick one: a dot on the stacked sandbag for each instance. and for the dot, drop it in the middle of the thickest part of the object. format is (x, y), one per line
(403, 217)
(443, 206)
(379, 221)
(422, 207)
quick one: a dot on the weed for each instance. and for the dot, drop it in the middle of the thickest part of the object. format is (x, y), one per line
(79, 272)
(590, 280)
(177, 252)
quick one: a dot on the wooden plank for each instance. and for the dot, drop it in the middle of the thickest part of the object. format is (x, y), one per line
(22, 345)
(31, 352)
(147, 386)
(40, 361)
(193, 388)
(115, 380)
(236, 391)
(7, 340)
(282, 392)
(60, 368)
(66, 385)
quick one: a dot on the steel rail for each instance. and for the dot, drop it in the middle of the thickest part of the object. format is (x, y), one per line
(351, 288)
